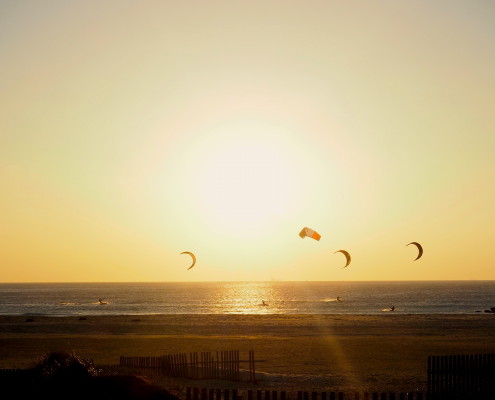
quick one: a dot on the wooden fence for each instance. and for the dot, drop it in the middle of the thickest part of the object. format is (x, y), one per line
(234, 394)
(205, 365)
(461, 377)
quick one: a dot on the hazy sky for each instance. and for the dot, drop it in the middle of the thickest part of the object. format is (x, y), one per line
(131, 131)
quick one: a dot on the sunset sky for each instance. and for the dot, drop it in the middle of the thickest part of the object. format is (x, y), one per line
(133, 131)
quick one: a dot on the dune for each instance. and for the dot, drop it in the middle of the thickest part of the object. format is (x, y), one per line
(339, 352)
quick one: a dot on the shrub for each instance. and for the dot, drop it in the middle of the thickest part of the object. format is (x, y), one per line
(64, 365)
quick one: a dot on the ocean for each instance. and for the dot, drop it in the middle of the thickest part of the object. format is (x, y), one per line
(359, 298)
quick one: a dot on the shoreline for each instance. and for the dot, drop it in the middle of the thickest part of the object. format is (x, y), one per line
(366, 353)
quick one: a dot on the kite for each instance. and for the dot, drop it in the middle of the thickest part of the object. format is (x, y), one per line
(347, 256)
(419, 248)
(192, 256)
(309, 233)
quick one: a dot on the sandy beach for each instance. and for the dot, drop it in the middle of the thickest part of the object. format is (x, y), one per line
(334, 352)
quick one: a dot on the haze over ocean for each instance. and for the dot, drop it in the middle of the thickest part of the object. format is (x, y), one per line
(368, 298)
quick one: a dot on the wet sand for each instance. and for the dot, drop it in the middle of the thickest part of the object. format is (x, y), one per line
(324, 352)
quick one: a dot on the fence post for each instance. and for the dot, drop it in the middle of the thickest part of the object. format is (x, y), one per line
(238, 366)
(222, 365)
(191, 361)
(217, 366)
(252, 369)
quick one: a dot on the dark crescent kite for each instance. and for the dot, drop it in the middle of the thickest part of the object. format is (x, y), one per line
(347, 256)
(419, 248)
(192, 256)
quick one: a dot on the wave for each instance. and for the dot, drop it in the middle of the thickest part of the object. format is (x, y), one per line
(34, 314)
(325, 300)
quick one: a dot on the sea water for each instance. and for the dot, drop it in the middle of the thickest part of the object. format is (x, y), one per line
(360, 298)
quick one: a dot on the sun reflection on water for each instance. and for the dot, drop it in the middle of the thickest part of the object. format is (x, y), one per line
(249, 298)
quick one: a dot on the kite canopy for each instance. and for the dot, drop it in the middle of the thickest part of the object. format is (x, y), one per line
(309, 233)
(192, 256)
(347, 256)
(420, 249)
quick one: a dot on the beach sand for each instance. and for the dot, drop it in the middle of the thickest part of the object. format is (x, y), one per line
(307, 352)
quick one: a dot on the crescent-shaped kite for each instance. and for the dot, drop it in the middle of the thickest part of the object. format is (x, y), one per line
(347, 256)
(420, 249)
(192, 256)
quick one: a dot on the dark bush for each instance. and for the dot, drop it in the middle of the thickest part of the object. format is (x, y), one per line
(66, 376)
(61, 365)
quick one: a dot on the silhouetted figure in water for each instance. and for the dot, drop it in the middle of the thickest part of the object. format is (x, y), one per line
(392, 308)
(263, 303)
(339, 299)
(102, 301)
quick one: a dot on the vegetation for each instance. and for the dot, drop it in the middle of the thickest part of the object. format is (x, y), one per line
(65, 375)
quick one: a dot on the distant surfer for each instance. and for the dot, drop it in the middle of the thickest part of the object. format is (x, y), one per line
(392, 308)
(102, 301)
(339, 299)
(264, 303)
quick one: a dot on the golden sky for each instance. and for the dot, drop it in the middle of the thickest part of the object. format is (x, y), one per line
(133, 131)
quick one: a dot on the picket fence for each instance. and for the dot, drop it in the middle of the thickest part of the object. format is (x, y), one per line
(461, 377)
(235, 394)
(205, 365)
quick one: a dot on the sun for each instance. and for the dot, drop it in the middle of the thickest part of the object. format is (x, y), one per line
(247, 185)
